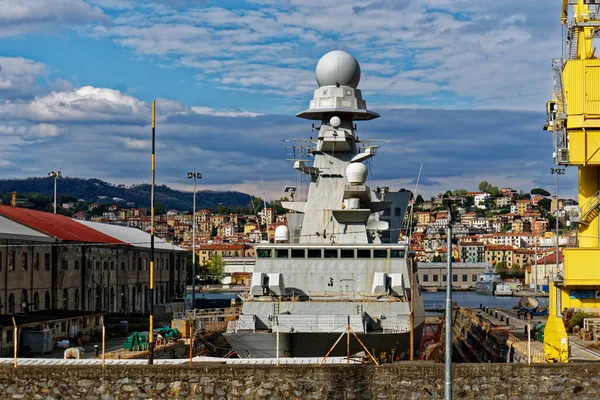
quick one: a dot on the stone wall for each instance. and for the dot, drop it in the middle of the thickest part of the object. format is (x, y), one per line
(418, 380)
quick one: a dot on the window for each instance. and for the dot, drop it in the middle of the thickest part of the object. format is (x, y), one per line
(112, 265)
(11, 260)
(361, 253)
(11, 304)
(474, 277)
(36, 301)
(145, 263)
(347, 253)
(65, 299)
(24, 261)
(47, 300)
(464, 278)
(76, 300)
(264, 253)
(123, 266)
(435, 278)
(297, 253)
(314, 253)
(10, 335)
(397, 253)
(65, 264)
(105, 265)
(36, 262)
(97, 264)
(89, 264)
(76, 265)
(444, 278)
(425, 278)
(454, 278)
(380, 253)
(330, 253)
(282, 253)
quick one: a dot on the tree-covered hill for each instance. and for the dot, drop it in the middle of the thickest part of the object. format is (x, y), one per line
(95, 190)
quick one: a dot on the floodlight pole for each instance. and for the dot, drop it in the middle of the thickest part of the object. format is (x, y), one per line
(448, 354)
(151, 333)
(195, 175)
(55, 176)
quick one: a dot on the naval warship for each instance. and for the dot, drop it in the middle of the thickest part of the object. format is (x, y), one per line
(338, 264)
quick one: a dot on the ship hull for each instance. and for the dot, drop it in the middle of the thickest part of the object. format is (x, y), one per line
(300, 344)
(485, 287)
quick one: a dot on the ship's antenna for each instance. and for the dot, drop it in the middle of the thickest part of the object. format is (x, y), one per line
(412, 205)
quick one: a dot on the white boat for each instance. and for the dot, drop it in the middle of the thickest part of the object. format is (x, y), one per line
(487, 282)
(339, 263)
(503, 289)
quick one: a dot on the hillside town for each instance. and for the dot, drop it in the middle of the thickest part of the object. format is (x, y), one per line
(500, 228)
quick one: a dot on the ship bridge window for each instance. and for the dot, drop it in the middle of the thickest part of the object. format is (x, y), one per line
(380, 253)
(397, 253)
(362, 253)
(298, 253)
(347, 253)
(314, 253)
(330, 253)
(282, 253)
(264, 253)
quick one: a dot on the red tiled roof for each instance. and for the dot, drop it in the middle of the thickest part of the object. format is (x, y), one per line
(550, 259)
(59, 226)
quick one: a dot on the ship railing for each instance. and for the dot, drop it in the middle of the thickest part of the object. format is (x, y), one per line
(521, 346)
(398, 324)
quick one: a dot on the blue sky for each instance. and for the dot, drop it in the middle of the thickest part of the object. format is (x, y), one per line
(460, 86)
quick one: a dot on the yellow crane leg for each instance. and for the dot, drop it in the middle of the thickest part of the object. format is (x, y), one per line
(556, 341)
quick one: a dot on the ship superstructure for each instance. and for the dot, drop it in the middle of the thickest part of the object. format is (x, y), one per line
(574, 119)
(339, 263)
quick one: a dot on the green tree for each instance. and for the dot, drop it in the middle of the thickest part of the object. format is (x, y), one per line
(540, 192)
(485, 186)
(419, 201)
(502, 269)
(216, 268)
(460, 192)
(469, 201)
(277, 207)
(544, 204)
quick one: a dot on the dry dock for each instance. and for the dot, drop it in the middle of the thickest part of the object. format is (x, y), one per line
(497, 335)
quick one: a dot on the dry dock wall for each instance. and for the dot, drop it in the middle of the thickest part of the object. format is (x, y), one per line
(417, 380)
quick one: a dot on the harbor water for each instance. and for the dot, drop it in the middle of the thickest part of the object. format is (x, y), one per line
(472, 299)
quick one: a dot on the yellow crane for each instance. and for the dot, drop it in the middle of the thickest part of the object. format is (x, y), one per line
(574, 119)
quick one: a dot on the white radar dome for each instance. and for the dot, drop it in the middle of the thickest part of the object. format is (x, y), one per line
(356, 173)
(335, 121)
(338, 67)
(282, 234)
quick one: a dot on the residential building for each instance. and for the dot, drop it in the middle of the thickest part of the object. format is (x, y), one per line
(471, 251)
(495, 254)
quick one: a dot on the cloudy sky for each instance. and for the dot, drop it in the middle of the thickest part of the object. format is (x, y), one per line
(461, 87)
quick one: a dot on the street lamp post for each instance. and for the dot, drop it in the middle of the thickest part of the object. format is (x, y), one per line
(449, 202)
(55, 176)
(557, 172)
(194, 175)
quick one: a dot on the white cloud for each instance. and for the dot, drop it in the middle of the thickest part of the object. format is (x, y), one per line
(18, 76)
(446, 50)
(87, 104)
(223, 113)
(18, 17)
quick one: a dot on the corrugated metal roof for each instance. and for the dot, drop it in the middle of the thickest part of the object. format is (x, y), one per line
(133, 236)
(56, 225)
(13, 230)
